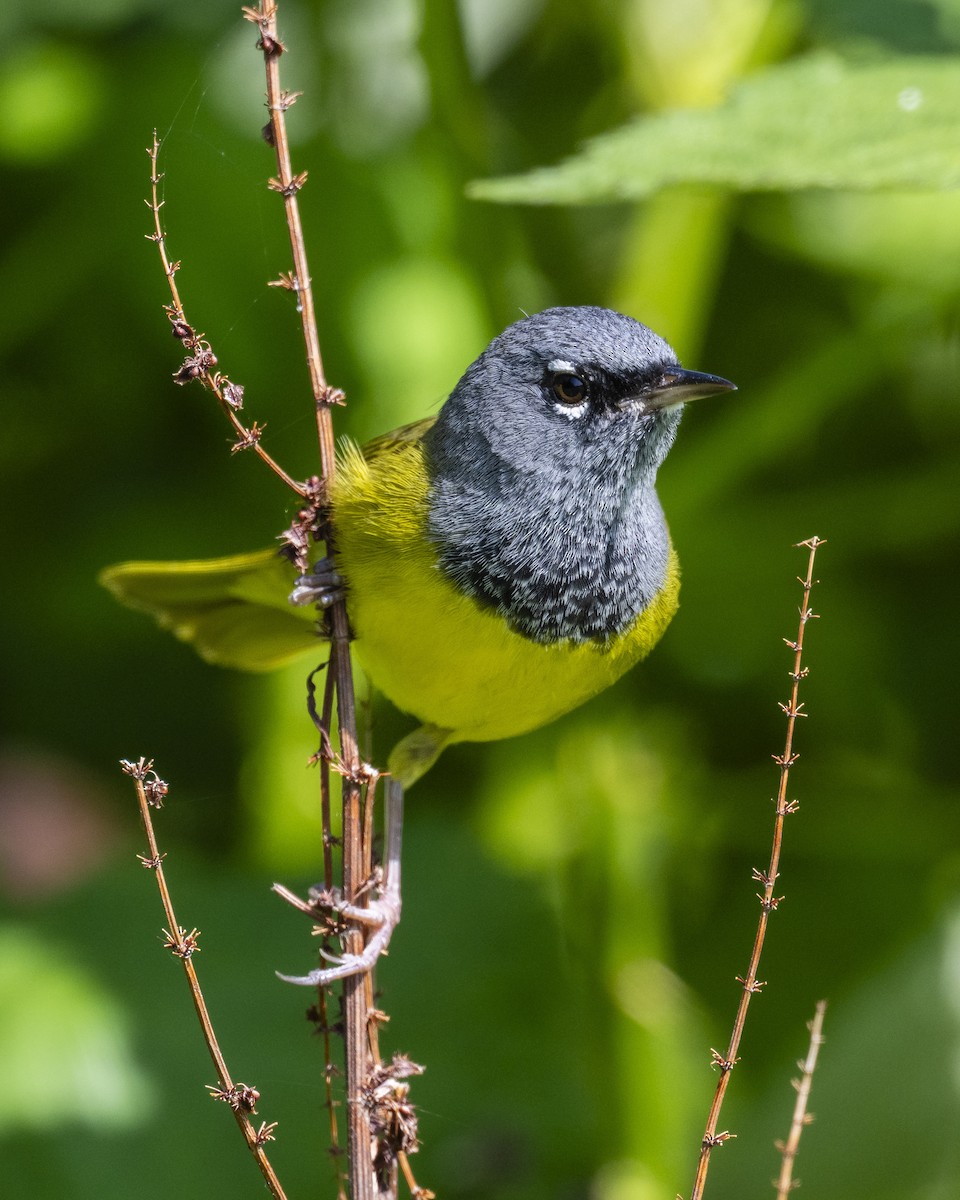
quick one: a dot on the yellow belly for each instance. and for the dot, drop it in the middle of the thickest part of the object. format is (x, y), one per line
(438, 654)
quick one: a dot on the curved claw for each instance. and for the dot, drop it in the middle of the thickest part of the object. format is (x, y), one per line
(381, 916)
(350, 964)
(354, 964)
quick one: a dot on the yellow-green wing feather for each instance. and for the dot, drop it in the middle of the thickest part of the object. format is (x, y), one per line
(396, 439)
(233, 610)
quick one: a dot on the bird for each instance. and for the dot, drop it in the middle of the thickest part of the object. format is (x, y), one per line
(502, 562)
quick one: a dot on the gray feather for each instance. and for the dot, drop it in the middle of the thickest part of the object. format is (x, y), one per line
(551, 519)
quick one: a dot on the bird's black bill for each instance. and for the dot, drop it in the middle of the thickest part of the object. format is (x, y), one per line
(677, 386)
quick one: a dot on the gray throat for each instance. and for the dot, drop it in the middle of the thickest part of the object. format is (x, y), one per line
(562, 558)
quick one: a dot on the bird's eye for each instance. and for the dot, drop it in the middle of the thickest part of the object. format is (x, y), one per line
(569, 388)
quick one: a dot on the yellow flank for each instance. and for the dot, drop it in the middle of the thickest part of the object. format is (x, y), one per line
(436, 653)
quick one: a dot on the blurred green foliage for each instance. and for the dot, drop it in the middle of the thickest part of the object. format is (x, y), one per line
(817, 122)
(576, 902)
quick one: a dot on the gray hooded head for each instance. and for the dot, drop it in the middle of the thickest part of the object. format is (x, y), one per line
(543, 463)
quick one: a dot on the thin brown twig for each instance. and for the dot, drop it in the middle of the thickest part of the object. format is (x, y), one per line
(369, 806)
(361, 1020)
(322, 1024)
(750, 984)
(322, 721)
(416, 1191)
(801, 1117)
(201, 360)
(326, 819)
(199, 365)
(241, 1097)
(323, 1001)
(288, 185)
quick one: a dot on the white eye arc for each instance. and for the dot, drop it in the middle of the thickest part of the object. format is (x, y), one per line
(572, 411)
(569, 386)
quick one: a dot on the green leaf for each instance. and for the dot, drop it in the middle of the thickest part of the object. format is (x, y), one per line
(812, 123)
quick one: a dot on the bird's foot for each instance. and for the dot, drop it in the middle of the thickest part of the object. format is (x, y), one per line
(322, 585)
(381, 915)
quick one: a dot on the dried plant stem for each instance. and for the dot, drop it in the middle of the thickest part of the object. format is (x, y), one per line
(356, 1023)
(199, 365)
(768, 902)
(201, 361)
(801, 1117)
(320, 1013)
(326, 819)
(240, 1097)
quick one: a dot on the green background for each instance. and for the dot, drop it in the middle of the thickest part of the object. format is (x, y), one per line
(578, 902)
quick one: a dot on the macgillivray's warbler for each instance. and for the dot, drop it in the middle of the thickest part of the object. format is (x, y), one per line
(503, 562)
